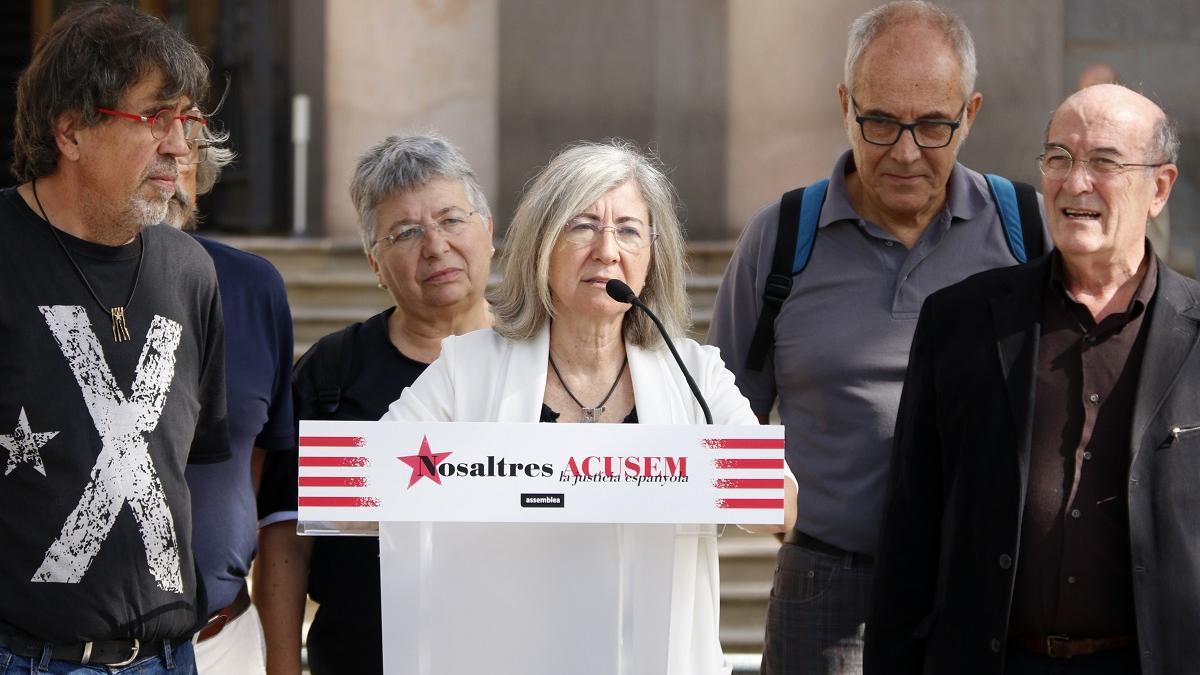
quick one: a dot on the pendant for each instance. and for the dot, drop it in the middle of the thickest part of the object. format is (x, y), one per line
(120, 330)
(591, 414)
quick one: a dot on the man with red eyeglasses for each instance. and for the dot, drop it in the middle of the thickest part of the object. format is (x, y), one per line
(112, 372)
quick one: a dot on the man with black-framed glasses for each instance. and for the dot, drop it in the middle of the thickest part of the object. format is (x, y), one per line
(112, 372)
(819, 302)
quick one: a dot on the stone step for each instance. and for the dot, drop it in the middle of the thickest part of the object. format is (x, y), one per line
(307, 289)
(745, 639)
(747, 570)
(311, 323)
(709, 257)
(748, 558)
(743, 614)
(293, 255)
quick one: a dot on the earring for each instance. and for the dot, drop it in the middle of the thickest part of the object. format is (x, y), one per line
(380, 285)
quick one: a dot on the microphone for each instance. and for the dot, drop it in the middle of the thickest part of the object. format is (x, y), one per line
(621, 292)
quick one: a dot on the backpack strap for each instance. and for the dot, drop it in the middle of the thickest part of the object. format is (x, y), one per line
(799, 211)
(332, 369)
(1019, 216)
(1031, 220)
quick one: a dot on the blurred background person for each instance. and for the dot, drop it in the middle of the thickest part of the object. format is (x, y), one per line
(258, 379)
(563, 351)
(427, 233)
(1098, 73)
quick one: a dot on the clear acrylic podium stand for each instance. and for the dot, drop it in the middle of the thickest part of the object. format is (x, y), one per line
(529, 599)
(593, 581)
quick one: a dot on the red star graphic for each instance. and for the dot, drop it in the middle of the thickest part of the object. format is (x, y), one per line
(424, 463)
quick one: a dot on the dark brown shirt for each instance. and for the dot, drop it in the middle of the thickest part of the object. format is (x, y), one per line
(1073, 569)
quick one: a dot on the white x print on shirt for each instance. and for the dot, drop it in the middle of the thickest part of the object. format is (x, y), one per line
(123, 471)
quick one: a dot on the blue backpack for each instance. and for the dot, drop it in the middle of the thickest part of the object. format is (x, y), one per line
(800, 209)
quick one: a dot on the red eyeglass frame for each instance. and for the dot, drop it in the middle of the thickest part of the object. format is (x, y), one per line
(149, 119)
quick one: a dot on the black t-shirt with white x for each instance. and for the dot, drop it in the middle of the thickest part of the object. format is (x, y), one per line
(95, 517)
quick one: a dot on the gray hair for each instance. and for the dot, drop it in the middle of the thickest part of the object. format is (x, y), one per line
(869, 26)
(216, 158)
(181, 210)
(402, 163)
(1166, 140)
(575, 178)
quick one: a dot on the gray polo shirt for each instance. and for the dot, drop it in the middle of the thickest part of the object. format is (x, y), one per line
(842, 340)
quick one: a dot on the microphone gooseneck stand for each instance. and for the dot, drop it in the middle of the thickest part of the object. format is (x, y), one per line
(621, 292)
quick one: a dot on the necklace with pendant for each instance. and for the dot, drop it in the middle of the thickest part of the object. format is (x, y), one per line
(590, 414)
(120, 329)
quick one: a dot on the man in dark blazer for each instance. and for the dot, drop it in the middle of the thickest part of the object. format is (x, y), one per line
(1044, 504)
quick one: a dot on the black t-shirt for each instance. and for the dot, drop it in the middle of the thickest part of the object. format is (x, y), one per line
(346, 634)
(95, 517)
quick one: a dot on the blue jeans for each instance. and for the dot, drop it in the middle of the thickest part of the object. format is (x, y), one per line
(180, 661)
(816, 614)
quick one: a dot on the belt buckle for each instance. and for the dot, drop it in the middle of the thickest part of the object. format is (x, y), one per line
(137, 646)
(1052, 640)
(214, 625)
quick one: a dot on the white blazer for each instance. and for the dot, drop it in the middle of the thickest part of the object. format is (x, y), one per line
(482, 377)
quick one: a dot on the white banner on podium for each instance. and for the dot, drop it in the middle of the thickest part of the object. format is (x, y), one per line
(540, 473)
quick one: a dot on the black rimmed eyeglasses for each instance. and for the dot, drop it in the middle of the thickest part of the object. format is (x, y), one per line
(928, 134)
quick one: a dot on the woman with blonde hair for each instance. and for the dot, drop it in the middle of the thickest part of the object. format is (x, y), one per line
(562, 350)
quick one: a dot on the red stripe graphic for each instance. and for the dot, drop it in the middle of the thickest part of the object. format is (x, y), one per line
(743, 443)
(749, 483)
(333, 461)
(334, 481)
(352, 502)
(748, 463)
(750, 503)
(333, 441)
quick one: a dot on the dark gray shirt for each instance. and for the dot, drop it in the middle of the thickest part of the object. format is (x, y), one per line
(842, 340)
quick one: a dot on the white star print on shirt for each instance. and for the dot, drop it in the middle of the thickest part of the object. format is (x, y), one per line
(24, 445)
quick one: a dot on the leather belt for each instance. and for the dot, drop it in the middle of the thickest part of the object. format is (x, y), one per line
(222, 617)
(1063, 647)
(99, 652)
(798, 538)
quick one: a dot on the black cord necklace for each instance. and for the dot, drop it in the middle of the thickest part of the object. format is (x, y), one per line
(590, 414)
(117, 314)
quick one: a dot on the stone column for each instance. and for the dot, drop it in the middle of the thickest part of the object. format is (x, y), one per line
(785, 128)
(403, 67)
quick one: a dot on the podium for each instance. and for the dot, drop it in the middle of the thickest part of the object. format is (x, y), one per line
(496, 598)
(483, 571)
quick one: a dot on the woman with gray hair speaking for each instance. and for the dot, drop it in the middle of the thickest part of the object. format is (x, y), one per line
(427, 233)
(562, 350)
